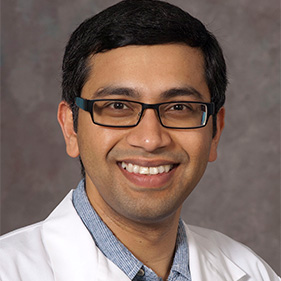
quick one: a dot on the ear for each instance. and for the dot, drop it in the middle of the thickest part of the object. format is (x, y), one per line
(65, 120)
(216, 138)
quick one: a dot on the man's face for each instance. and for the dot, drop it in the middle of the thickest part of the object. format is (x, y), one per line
(146, 73)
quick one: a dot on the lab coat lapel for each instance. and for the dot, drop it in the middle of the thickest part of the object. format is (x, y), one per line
(72, 252)
(207, 262)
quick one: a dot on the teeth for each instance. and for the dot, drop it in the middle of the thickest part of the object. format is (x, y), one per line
(136, 169)
(167, 168)
(130, 168)
(146, 170)
(161, 169)
(153, 171)
(143, 170)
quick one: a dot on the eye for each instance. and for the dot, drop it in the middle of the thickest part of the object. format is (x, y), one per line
(118, 105)
(177, 107)
(180, 107)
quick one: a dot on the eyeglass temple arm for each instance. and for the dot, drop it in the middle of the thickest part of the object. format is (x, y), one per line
(83, 104)
(211, 108)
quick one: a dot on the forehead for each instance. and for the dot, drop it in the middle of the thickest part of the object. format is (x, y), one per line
(149, 70)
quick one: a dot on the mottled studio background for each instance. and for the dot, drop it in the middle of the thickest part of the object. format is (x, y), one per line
(240, 193)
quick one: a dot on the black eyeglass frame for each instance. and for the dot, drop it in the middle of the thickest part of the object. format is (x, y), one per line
(87, 105)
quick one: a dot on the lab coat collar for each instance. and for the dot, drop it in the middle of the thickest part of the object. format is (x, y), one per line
(70, 246)
(207, 261)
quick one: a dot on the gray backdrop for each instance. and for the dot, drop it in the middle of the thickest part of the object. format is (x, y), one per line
(239, 194)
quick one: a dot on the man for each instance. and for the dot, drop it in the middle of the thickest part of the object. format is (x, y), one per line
(143, 92)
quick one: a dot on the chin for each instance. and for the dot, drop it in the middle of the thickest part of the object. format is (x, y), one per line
(150, 213)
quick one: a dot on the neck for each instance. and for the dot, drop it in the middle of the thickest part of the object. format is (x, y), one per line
(157, 238)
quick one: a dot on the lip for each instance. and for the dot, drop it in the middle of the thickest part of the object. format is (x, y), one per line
(158, 181)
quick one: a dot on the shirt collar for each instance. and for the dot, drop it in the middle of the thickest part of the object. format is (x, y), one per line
(113, 249)
(181, 258)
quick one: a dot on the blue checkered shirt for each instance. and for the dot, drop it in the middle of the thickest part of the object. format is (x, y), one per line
(115, 251)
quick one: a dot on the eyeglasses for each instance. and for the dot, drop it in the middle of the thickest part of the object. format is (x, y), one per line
(125, 113)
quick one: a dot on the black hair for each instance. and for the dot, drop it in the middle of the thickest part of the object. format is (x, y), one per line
(140, 22)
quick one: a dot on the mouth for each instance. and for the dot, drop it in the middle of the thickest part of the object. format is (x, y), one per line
(147, 170)
(148, 175)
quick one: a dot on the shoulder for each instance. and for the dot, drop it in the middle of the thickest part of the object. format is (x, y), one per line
(20, 237)
(218, 241)
(214, 237)
(226, 249)
(24, 254)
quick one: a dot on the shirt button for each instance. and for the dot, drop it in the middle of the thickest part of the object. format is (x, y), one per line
(140, 273)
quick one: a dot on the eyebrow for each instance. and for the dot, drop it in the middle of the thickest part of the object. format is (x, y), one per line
(116, 91)
(132, 93)
(182, 92)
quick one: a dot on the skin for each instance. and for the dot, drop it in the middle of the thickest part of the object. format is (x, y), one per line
(143, 211)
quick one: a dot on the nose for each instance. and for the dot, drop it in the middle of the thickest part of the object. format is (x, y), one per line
(149, 134)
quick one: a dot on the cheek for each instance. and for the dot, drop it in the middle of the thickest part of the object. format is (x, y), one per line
(201, 149)
(197, 145)
(95, 142)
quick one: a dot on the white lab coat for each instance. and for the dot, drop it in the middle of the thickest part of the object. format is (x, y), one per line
(61, 249)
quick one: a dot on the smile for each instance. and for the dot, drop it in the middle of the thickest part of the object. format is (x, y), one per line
(136, 169)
